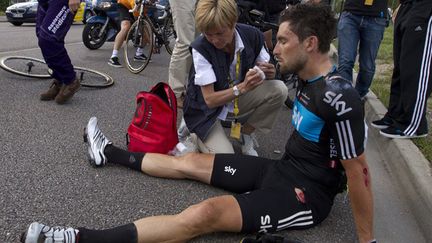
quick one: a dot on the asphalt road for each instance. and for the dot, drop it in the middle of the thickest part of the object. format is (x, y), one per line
(45, 175)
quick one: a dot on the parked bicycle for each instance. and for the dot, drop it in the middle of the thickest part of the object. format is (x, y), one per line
(149, 34)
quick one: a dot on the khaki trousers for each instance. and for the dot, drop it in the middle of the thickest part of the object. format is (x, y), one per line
(183, 12)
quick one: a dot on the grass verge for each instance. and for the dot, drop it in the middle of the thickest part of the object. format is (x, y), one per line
(381, 87)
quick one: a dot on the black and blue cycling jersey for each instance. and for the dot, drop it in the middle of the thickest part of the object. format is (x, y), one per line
(328, 119)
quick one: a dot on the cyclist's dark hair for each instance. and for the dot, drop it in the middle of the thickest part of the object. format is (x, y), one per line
(311, 20)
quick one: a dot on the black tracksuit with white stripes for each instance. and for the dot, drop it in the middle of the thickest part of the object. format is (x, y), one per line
(412, 75)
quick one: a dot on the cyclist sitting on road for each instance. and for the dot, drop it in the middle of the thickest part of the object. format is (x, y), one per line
(296, 192)
(223, 81)
(126, 19)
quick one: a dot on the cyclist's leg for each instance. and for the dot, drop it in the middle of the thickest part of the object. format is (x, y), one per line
(212, 215)
(125, 23)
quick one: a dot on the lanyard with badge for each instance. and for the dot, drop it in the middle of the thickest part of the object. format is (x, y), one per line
(236, 125)
(368, 2)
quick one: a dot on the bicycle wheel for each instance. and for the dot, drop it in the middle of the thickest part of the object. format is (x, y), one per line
(25, 66)
(169, 35)
(140, 37)
(91, 78)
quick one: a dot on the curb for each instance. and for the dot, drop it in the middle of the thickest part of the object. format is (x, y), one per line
(407, 167)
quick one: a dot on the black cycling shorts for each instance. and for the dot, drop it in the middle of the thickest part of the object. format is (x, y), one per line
(125, 14)
(267, 196)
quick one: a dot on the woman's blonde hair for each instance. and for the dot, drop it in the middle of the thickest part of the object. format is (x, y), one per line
(211, 14)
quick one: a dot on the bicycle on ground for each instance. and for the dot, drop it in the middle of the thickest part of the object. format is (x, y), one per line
(37, 68)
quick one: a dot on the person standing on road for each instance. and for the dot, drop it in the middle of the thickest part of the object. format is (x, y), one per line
(412, 74)
(53, 21)
(183, 12)
(126, 19)
(361, 26)
(294, 193)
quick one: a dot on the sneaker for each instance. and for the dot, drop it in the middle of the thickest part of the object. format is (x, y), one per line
(96, 143)
(37, 233)
(114, 61)
(393, 132)
(67, 91)
(382, 123)
(140, 58)
(248, 145)
(52, 92)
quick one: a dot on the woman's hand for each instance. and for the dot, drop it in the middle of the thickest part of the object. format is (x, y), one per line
(268, 69)
(251, 81)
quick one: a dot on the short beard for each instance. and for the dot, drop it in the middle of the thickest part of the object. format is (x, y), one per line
(295, 68)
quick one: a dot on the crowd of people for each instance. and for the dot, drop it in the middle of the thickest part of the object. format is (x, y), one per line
(222, 69)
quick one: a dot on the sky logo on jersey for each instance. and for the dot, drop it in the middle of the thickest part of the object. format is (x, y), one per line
(334, 100)
(296, 118)
(306, 123)
(230, 170)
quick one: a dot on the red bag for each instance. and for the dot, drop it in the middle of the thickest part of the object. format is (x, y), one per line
(153, 127)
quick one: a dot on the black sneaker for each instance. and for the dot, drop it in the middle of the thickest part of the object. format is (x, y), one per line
(140, 58)
(114, 61)
(393, 132)
(383, 123)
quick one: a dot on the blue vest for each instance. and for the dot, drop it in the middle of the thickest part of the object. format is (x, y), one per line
(198, 116)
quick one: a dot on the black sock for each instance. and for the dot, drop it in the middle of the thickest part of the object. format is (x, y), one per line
(122, 234)
(122, 157)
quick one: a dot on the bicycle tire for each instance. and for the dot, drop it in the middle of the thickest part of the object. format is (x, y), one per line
(139, 35)
(21, 70)
(103, 80)
(169, 35)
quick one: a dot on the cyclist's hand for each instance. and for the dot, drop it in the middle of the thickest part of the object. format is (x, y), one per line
(268, 69)
(74, 5)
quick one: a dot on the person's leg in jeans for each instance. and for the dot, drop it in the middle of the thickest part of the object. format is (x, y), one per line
(371, 34)
(348, 39)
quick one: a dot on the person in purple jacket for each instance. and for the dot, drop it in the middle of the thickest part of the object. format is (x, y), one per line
(54, 19)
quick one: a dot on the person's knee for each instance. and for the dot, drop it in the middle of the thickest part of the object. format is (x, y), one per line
(278, 91)
(48, 44)
(125, 26)
(201, 217)
(45, 39)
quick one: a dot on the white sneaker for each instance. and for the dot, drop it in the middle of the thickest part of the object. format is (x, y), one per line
(248, 145)
(96, 143)
(42, 233)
